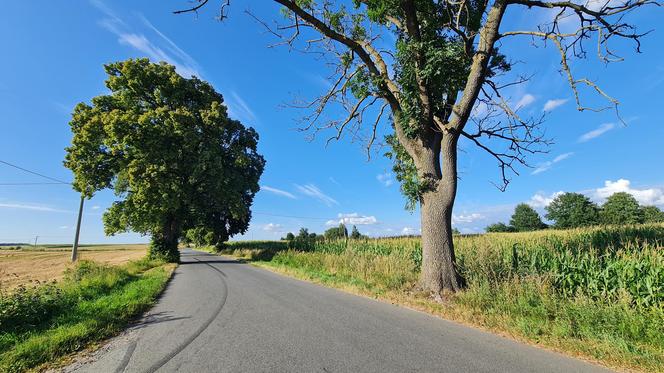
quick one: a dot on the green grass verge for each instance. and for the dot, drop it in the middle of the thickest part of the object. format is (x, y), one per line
(595, 293)
(94, 301)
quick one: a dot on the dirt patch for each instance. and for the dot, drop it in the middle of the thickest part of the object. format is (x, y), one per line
(31, 267)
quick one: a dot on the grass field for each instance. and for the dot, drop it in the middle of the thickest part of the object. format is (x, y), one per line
(595, 293)
(92, 301)
(33, 265)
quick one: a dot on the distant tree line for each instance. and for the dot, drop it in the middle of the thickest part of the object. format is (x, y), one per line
(334, 233)
(574, 210)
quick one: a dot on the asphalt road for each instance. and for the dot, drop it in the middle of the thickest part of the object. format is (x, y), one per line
(219, 315)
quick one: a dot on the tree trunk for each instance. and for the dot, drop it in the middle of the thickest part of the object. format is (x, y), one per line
(439, 272)
(164, 243)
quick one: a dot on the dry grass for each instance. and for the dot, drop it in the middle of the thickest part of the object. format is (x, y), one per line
(29, 267)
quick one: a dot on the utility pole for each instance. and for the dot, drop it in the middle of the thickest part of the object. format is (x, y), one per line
(36, 237)
(74, 249)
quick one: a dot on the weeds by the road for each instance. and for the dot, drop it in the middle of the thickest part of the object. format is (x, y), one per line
(596, 293)
(94, 301)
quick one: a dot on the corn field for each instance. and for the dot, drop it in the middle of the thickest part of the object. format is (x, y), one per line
(602, 263)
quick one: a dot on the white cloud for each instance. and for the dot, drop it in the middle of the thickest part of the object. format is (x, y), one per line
(272, 227)
(539, 200)
(548, 164)
(526, 100)
(96, 207)
(30, 206)
(162, 50)
(599, 131)
(385, 179)
(353, 219)
(63, 227)
(278, 192)
(596, 5)
(552, 104)
(468, 218)
(651, 196)
(313, 191)
(409, 231)
(238, 108)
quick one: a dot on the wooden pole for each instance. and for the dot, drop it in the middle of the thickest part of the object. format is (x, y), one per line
(74, 249)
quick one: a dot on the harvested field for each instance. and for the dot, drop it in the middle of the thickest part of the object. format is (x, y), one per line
(31, 266)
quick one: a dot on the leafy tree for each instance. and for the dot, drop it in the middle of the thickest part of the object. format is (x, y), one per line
(336, 233)
(167, 148)
(443, 80)
(572, 210)
(500, 227)
(456, 231)
(652, 214)
(621, 208)
(525, 218)
(304, 233)
(355, 234)
(289, 237)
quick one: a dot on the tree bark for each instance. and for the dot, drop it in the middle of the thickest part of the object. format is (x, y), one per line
(439, 272)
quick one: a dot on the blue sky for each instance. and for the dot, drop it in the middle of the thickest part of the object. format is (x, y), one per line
(53, 56)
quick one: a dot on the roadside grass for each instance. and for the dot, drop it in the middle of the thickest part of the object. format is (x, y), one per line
(595, 293)
(93, 301)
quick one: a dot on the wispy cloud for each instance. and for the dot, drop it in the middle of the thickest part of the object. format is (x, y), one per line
(238, 108)
(386, 179)
(540, 200)
(526, 100)
(30, 206)
(353, 219)
(599, 131)
(96, 207)
(161, 48)
(273, 227)
(409, 231)
(278, 192)
(550, 105)
(548, 164)
(467, 218)
(313, 191)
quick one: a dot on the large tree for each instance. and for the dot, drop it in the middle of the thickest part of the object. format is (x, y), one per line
(167, 148)
(621, 208)
(525, 218)
(572, 210)
(444, 64)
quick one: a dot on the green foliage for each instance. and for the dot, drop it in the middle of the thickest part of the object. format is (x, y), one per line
(166, 146)
(337, 232)
(621, 208)
(355, 233)
(572, 210)
(499, 227)
(525, 218)
(93, 302)
(652, 214)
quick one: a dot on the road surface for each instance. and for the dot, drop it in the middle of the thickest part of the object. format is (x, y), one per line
(220, 315)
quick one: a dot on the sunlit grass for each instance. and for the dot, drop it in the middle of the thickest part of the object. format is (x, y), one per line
(94, 301)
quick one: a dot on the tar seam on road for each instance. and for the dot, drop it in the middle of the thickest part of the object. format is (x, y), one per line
(198, 332)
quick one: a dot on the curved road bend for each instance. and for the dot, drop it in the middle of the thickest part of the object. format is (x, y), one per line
(219, 315)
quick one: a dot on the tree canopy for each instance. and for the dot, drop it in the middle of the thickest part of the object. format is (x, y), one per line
(572, 210)
(621, 208)
(525, 218)
(167, 148)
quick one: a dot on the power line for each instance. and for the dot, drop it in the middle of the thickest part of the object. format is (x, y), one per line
(34, 173)
(54, 183)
